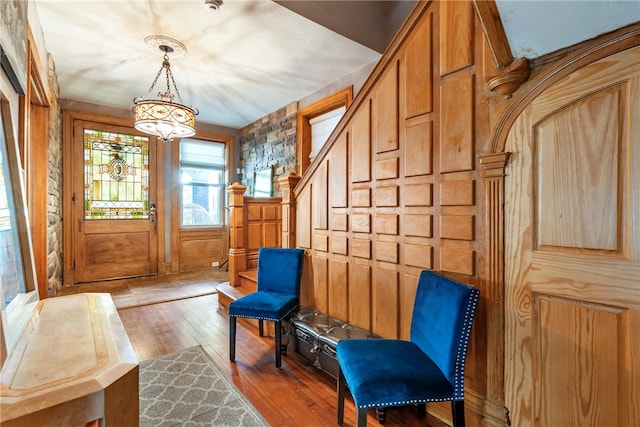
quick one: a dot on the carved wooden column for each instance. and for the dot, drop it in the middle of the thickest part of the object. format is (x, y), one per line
(494, 411)
(237, 247)
(287, 184)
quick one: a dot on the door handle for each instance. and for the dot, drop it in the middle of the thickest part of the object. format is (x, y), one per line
(152, 214)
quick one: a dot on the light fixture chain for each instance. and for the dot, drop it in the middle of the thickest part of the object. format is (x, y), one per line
(175, 86)
(156, 80)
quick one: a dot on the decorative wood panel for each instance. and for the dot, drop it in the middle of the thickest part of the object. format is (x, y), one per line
(199, 253)
(338, 289)
(339, 222)
(361, 145)
(303, 220)
(361, 223)
(320, 199)
(459, 227)
(418, 151)
(568, 214)
(385, 303)
(578, 346)
(456, 125)
(321, 242)
(254, 212)
(385, 111)
(418, 73)
(361, 248)
(338, 178)
(457, 193)
(339, 245)
(456, 35)
(360, 295)
(387, 168)
(418, 195)
(419, 225)
(457, 260)
(408, 287)
(387, 196)
(418, 255)
(320, 298)
(387, 251)
(386, 224)
(361, 197)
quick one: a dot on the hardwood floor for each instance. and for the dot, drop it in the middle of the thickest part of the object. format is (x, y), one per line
(296, 395)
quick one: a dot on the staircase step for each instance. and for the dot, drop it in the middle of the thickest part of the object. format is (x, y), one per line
(227, 293)
(249, 279)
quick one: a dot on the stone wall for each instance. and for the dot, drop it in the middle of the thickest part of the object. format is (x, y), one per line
(54, 186)
(269, 142)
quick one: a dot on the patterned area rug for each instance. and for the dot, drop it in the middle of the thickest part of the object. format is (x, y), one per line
(188, 389)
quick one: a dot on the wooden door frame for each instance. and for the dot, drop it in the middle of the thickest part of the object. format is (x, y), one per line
(68, 245)
(339, 99)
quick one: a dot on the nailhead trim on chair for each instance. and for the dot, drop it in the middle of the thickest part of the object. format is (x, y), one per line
(265, 318)
(458, 388)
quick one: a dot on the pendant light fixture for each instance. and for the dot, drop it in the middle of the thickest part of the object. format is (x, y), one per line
(162, 117)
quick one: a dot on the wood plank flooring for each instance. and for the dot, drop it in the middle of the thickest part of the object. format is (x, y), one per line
(296, 395)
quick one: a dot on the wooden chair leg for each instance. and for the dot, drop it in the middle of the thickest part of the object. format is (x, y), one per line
(457, 410)
(261, 327)
(422, 410)
(342, 385)
(278, 332)
(232, 338)
(362, 417)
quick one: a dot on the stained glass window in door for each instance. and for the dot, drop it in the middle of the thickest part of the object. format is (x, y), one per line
(116, 175)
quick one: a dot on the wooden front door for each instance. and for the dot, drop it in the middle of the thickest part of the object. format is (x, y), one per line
(113, 202)
(572, 221)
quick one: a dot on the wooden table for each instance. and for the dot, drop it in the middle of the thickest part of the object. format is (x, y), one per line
(72, 366)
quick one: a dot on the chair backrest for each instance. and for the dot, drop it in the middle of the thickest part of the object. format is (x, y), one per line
(441, 324)
(280, 270)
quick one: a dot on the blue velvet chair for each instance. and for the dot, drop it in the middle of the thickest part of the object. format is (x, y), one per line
(277, 295)
(428, 368)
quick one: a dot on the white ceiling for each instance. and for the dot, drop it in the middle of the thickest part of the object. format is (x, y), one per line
(246, 60)
(251, 58)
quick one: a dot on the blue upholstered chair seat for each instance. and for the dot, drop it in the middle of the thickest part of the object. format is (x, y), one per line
(391, 373)
(277, 294)
(264, 305)
(427, 368)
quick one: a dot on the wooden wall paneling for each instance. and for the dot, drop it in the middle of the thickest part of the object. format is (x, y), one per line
(361, 197)
(385, 303)
(420, 225)
(418, 194)
(338, 289)
(387, 196)
(321, 242)
(271, 234)
(320, 284)
(457, 193)
(338, 173)
(459, 227)
(417, 148)
(360, 153)
(576, 340)
(456, 124)
(386, 251)
(567, 217)
(360, 289)
(360, 248)
(361, 222)
(254, 236)
(456, 35)
(197, 252)
(339, 221)
(386, 224)
(320, 198)
(339, 245)
(303, 219)
(387, 168)
(254, 212)
(457, 260)
(418, 255)
(418, 71)
(385, 111)
(408, 287)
